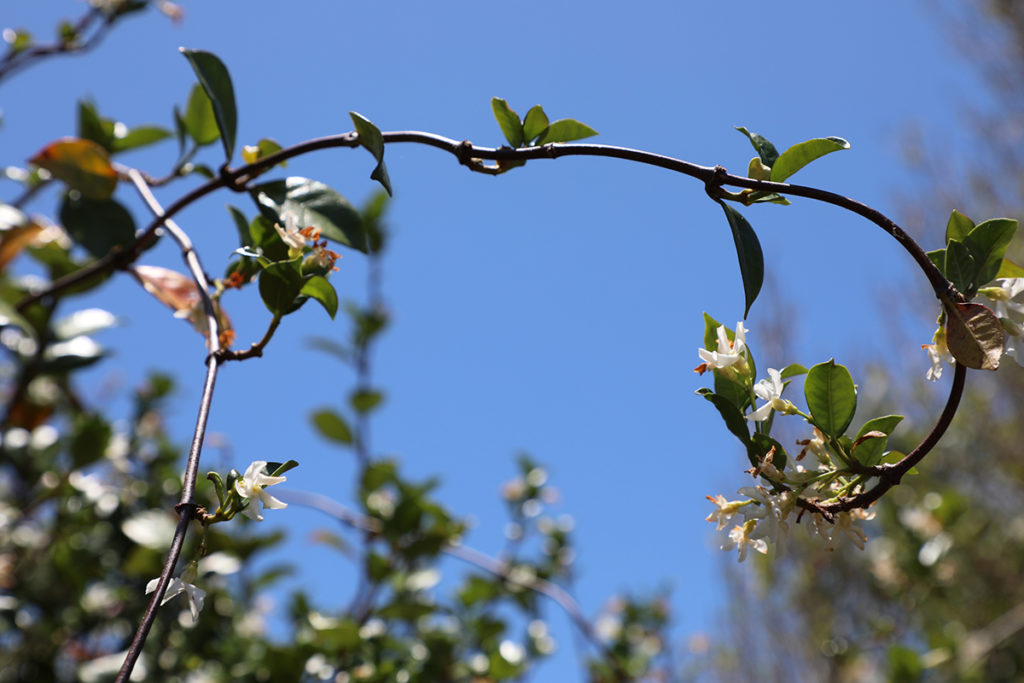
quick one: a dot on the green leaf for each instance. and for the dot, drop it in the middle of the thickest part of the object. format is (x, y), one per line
(317, 287)
(509, 121)
(960, 267)
(831, 397)
(242, 226)
(958, 226)
(792, 371)
(534, 123)
(276, 469)
(90, 437)
(974, 336)
(734, 421)
(566, 130)
(99, 225)
(1009, 269)
(332, 426)
(280, 285)
(315, 204)
(988, 242)
(938, 257)
(139, 137)
(200, 120)
(798, 156)
(92, 127)
(734, 392)
(765, 149)
(365, 400)
(748, 251)
(869, 451)
(711, 333)
(216, 81)
(372, 140)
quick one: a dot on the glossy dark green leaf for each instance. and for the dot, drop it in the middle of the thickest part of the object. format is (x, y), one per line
(748, 251)
(958, 226)
(534, 123)
(509, 121)
(732, 416)
(974, 336)
(99, 225)
(280, 285)
(566, 130)
(831, 397)
(988, 242)
(764, 148)
(216, 82)
(199, 119)
(734, 392)
(869, 451)
(276, 469)
(798, 156)
(321, 290)
(372, 140)
(139, 136)
(315, 204)
(961, 268)
(242, 226)
(332, 426)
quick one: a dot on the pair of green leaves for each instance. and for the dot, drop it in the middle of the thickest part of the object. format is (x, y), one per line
(535, 128)
(775, 167)
(219, 99)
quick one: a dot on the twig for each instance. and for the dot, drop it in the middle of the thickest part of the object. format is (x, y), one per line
(187, 506)
(16, 60)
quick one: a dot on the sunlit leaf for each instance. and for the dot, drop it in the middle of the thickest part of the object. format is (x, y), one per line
(798, 156)
(509, 121)
(82, 164)
(317, 287)
(371, 139)
(199, 120)
(869, 444)
(958, 226)
(139, 137)
(332, 425)
(534, 123)
(566, 130)
(216, 81)
(831, 397)
(1009, 269)
(988, 242)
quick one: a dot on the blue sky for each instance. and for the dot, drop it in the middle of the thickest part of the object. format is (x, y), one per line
(556, 309)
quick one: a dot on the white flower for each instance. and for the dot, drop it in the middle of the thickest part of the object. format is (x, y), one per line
(770, 391)
(725, 510)
(740, 539)
(937, 353)
(845, 525)
(728, 353)
(251, 486)
(183, 584)
(1008, 305)
(815, 445)
(291, 234)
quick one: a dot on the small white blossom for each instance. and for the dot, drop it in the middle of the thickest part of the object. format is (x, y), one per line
(251, 486)
(1008, 304)
(183, 584)
(725, 511)
(728, 353)
(937, 353)
(740, 539)
(770, 391)
(291, 234)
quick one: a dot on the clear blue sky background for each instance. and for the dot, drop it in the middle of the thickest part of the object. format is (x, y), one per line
(556, 309)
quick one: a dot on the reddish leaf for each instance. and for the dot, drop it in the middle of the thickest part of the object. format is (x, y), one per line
(82, 164)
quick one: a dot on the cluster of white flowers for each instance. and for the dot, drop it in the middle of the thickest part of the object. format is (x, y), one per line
(764, 522)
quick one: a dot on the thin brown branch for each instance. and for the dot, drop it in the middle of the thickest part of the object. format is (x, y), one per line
(15, 60)
(187, 507)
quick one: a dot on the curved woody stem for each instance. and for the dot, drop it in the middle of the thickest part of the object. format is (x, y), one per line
(472, 156)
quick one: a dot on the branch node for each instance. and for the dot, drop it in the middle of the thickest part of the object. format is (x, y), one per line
(192, 509)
